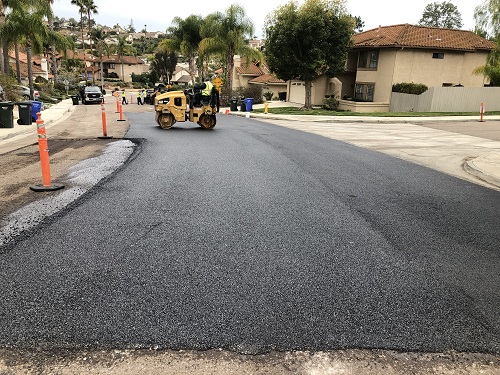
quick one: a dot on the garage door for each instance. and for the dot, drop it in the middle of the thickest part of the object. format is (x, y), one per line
(297, 92)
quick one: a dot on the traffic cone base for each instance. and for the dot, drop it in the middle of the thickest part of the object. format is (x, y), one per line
(41, 187)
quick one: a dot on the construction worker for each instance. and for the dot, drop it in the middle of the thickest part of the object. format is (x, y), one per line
(139, 97)
(207, 90)
(203, 92)
(124, 97)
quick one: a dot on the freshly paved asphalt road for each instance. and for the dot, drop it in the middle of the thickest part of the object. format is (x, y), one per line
(254, 237)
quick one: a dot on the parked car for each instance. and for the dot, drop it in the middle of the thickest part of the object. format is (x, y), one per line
(24, 91)
(92, 94)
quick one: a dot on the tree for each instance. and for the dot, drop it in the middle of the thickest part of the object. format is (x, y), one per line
(185, 38)
(73, 24)
(306, 42)
(487, 17)
(90, 7)
(226, 34)
(492, 67)
(359, 24)
(99, 36)
(122, 49)
(444, 15)
(6, 7)
(81, 8)
(26, 24)
(164, 63)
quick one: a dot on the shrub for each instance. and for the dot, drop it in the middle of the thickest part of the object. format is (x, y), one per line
(409, 88)
(255, 92)
(331, 103)
(268, 95)
(176, 88)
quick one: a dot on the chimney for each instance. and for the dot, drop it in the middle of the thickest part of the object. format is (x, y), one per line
(45, 67)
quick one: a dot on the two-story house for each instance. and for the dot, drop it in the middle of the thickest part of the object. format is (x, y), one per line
(384, 56)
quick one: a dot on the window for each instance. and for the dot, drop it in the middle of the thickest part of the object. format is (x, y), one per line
(368, 59)
(438, 55)
(365, 91)
(178, 102)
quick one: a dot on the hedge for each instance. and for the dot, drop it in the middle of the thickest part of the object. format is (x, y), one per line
(409, 88)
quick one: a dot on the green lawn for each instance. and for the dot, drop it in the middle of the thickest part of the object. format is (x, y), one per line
(324, 112)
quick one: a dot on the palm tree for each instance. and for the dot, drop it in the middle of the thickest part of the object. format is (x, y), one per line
(6, 6)
(225, 34)
(90, 7)
(26, 24)
(122, 49)
(492, 67)
(99, 37)
(186, 39)
(81, 8)
(2, 22)
(50, 22)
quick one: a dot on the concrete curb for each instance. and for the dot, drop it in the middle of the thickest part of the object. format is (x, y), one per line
(478, 167)
(361, 119)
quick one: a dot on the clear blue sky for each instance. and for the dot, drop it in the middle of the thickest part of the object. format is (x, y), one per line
(158, 14)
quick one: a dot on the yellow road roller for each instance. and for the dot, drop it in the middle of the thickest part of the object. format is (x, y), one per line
(187, 105)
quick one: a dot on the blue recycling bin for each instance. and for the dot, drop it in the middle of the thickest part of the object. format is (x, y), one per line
(35, 108)
(248, 104)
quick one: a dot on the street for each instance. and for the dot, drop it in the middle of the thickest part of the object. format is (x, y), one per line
(256, 238)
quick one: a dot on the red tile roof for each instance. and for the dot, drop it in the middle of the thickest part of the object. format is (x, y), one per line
(251, 69)
(123, 60)
(267, 79)
(24, 69)
(422, 37)
(248, 68)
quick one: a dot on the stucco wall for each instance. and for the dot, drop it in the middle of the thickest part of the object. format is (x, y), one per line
(241, 81)
(274, 88)
(128, 70)
(297, 91)
(382, 76)
(418, 66)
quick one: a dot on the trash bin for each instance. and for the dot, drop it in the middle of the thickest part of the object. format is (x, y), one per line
(243, 106)
(248, 104)
(282, 96)
(234, 105)
(75, 99)
(35, 108)
(6, 115)
(24, 113)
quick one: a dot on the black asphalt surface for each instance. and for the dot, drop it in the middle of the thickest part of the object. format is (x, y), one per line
(252, 237)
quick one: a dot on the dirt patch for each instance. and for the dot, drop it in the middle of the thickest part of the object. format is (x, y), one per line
(21, 169)
(124, 362)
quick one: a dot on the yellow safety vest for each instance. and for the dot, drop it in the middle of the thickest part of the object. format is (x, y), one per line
(207, 91)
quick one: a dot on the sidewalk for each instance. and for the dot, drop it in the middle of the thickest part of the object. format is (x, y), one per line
(483, 164)
(9, 137)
